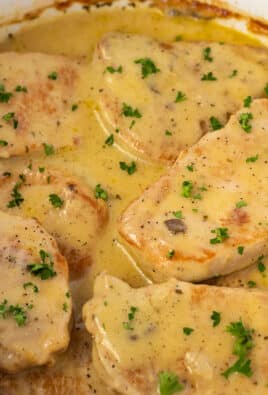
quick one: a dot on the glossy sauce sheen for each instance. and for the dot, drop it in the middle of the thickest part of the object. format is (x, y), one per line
(95, 163)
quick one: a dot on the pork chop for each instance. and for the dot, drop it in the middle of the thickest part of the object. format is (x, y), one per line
(37, 92)
(162, 97)
(66, 208)
(35, 304)
(208, 215)
(179, 335)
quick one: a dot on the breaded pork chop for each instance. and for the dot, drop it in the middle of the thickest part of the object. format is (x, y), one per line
(179, 333)
(208, 215)
(65, 206)
(162, 97)
(35, 304)
(37, 92)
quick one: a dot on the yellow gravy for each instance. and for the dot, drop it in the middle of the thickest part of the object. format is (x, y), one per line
(76, 34)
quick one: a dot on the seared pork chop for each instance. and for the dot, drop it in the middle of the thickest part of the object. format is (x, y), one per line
(35, 304)
(65, 207)
(162, 97)
(37, 92)
(208, 215)
(179, 333)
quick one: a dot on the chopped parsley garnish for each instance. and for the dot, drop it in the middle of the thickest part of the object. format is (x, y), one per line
(216, 318)
(55, 200)
(169, 383)
(178, 37)
(187, 331)
(65, 307)
(241, 204)
(252, 159)
(233, 74)
(3, 143)
(190, 167)
(17, 312)
(130, 169)
(21, 88)
(170, 254)
(4, 96)
(180, 97)
(128, 111)
(266, 89)
(147, 67)
(247, 101)
(177, 214)
(43, 269)
(49, 149)
(17, 198)
(244, 120)
(113, 70)
(240, 250)
(7, 174)
(168, 133)
(252, 284)
(221, 235)
(243, 344)
(207, 54)
(53, 75)
(110, 140)
(74, 107)
(41, 169)
(100, 193)
(11, 116)
(33, 286)
(261, 265)
(208, 77)
(187, 187)
(131, 316)
(215, 123)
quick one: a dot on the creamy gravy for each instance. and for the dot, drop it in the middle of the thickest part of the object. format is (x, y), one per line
(76, 34)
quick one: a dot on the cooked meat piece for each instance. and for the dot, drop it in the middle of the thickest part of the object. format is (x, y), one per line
(219, 188)
(179, 331)
(254, 276)
(35, 306)
(161, 98)
(66, 208)
(36, 96)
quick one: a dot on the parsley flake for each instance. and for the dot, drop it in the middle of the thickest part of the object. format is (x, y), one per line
(43, 269)
(4, 96)
(261, 265)
(130, 169)
(55, 200)
(170, 254)
(241, 204)
(244, 120)
(100, 193)
(266, 89)
(113, 70)
(33, 286)
(187, 187)
(177, 214)
(16, 195)
(215, 123)
(251, 284)
(168, 133)
(180, 97)
(110, 140)
(207, 54)
(233, 74)
(53, 75)
(17, 312)
(147, 67)
(247, 101)
(216, 318)
(240, 250)
(131, 316)
(169, 383)
(221, 235)
(128, 111)
(21, 88)
(187, 331)
(3, 143)
(252, 159)
(74, 107)
(49, 149)
(208, 77)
